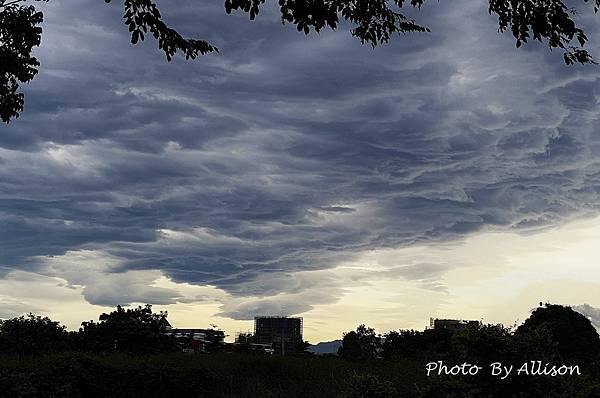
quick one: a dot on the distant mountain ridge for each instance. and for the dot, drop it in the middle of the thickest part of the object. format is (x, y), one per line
(325, 347)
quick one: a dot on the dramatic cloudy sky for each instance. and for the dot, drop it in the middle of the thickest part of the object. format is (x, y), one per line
(446, 174)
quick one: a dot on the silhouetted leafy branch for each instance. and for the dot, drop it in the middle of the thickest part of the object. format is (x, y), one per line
(374, 22)
(549, 20)
(142, 16)
(19, 34)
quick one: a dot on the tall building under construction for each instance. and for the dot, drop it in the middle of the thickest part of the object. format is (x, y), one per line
(282, 332)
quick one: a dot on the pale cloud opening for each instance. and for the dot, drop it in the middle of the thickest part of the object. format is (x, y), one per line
(496, 277)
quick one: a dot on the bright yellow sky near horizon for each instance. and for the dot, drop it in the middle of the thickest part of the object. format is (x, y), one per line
(496, 277)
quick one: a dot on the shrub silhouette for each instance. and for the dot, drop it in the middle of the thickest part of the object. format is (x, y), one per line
(575, 337)
(360, 345)
(32, 334)
(133, 330)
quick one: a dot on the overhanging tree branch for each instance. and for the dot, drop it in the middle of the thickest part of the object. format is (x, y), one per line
(142, 16)
(374, 23)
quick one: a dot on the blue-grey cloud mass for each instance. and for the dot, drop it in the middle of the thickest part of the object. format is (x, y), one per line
(284, 153)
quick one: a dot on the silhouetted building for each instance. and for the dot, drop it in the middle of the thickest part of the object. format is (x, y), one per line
(284, 334)
(245, 342)
(453, 325)
(198, 340)
(244, 338)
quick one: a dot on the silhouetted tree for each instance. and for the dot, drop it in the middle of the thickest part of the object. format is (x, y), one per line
(19, 33)
(133, 330)
(374, 22)
(362, 344)
(32, 334)
(575, 337)
(418, 345)
(301, 348)
(482, 344)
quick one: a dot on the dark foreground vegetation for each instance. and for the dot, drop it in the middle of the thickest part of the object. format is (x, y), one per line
(126, 354)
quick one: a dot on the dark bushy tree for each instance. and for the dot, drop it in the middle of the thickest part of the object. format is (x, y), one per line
(415, 344)
(362, 344)
(482, 344)
(32, 334)
(133, 330)
(374, 22)
(575, 337)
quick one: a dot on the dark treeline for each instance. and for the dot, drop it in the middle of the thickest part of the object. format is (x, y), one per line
(134, 331)
(127, 353)
(553, 334)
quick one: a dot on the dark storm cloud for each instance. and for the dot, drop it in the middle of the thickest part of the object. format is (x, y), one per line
(285, 154)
